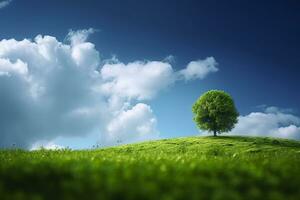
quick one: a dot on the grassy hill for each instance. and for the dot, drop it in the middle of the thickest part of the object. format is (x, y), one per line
(182, 168)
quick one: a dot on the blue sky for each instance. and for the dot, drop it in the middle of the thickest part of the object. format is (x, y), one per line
(255, 43)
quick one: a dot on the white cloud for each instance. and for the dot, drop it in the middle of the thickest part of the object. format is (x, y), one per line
(50, 88)
(79, 36)
(136, 80)
(133, 124)
(274, 109)
(47, 91)
(199, 69)
(45, 145)
(5, 3)
(7, 67)
(272, 122)
(290, 131)
(142, 80)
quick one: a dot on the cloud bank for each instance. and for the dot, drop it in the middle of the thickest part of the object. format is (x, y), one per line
(50, 88)
(273, 122)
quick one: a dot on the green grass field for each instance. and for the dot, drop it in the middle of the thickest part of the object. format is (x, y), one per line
(182, 168)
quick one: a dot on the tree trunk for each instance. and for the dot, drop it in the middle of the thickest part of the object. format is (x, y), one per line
(215, 133)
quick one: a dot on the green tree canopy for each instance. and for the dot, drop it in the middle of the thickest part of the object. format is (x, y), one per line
(215, 111)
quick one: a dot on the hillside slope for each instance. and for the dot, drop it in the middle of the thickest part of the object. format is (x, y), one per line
(182, 168)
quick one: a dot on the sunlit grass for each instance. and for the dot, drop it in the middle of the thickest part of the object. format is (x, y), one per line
(182, 168)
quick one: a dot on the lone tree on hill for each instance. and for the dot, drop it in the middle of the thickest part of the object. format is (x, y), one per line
(215, 111)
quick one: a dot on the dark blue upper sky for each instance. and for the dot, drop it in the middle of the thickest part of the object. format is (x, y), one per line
(256, 44)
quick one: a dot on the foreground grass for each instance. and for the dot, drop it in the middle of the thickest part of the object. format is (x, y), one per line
(183, 168)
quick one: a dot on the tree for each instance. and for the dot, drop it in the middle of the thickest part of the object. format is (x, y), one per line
(215, 111)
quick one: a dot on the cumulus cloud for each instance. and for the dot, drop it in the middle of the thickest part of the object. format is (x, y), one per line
(5, 3)
(199, 69)
(273, 122)
(50, 88)
(46, 89)
(140, 80)
(7, 67)
(133, 124)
